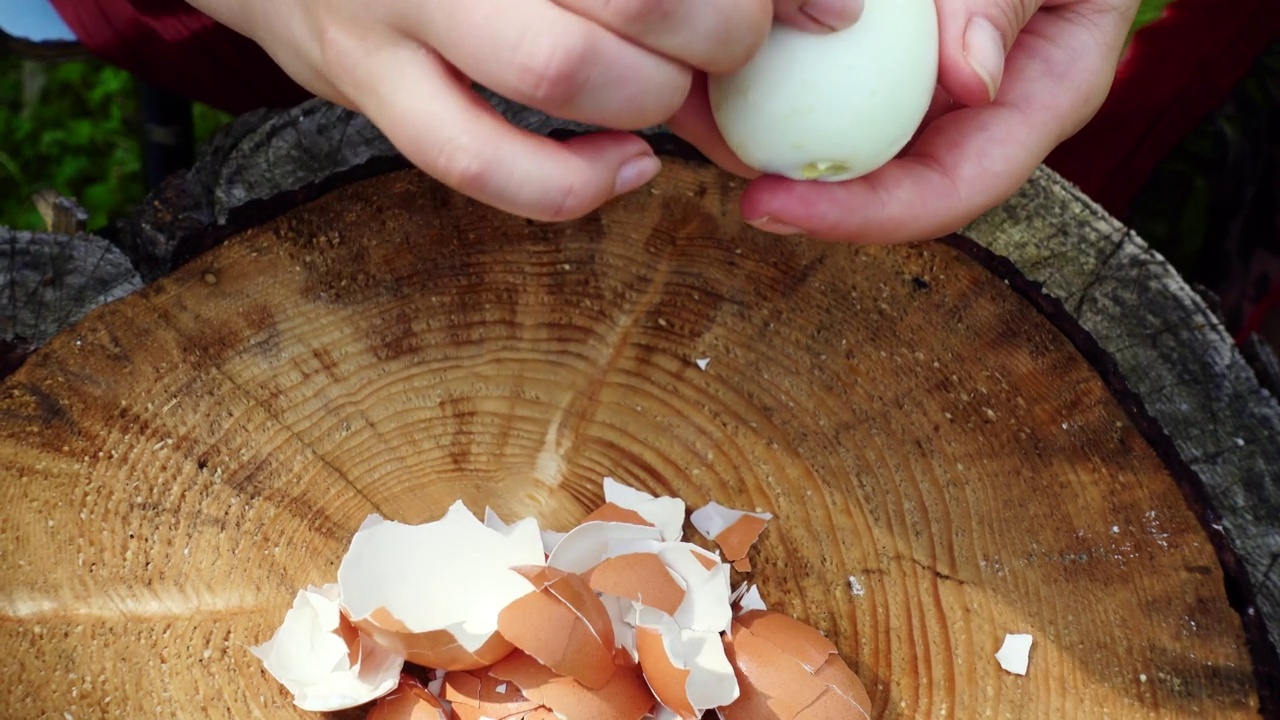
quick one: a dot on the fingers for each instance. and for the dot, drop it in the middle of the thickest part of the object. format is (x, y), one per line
(542, 55)
(965, 162)
(694, 123)
(711, 35)
(975, 36)
(450, 133)
(818, 15)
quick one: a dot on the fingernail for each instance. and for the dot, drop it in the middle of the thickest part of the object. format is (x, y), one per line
(636, 172)
(834, 14)
(770, 225)
(984, 49)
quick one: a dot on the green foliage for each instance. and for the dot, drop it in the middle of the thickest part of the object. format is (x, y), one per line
(67, 126)
(73, 127)
(1149, 11)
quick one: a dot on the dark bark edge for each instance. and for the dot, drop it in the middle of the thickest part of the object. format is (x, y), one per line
(1239, 589)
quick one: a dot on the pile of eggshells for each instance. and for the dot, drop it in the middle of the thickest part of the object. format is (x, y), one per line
(617, 619)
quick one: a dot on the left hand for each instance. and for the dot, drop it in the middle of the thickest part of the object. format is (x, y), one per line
(1016, 78)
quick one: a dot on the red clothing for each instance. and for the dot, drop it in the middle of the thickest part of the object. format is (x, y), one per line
(173, 46)
(1176, 71)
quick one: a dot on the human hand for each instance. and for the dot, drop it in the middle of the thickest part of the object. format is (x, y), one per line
(622, 64)
(1016, 78)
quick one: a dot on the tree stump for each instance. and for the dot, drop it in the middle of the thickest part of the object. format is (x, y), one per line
(949, 458)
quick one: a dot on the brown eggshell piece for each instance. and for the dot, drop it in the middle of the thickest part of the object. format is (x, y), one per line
(668, 682)
(771, 683)
(802, 642)
(563, 624)
(478, 691)
(434, 649)
(610, 512)
(742, 565)
(763, 648)
(709, 563)
(624, 697)
(409, 701)
(737, 539)
(640, 577)
(844, 680)
(350, 634)
(833, 705)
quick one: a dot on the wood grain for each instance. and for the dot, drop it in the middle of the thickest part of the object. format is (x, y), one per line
(185, 459)
(1178, 357)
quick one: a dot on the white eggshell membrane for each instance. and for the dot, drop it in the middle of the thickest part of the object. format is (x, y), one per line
(665, 513)
(711, 682)
(453, 574)
(837, 106)
(706, 606)
(310, 658)
(747, 599)
(589, 544)
(1015, 654)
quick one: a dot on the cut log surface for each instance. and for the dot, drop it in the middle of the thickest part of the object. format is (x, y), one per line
(1173, 352)
(48, 281)
(944, 464)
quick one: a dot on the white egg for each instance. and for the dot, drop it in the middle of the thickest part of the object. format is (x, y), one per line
(836, 106)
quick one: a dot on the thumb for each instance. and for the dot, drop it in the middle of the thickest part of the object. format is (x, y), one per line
(975, 37)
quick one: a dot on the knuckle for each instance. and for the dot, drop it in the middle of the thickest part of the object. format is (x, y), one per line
(554, 71)
(457, 164)
(333, 48)
(640, 13)
(566, 204)
(1015, 16)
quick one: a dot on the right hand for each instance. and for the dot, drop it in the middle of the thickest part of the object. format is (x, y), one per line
(622, 64)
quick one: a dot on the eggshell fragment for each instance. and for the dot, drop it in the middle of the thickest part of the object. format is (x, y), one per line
(1015, 654)
(747, 599)
(706, 605)
(478, 694)
(662, 712)
(788, 670)
(585, 546)
(687, 670)
(550, 539)
(409, 701)
(624, 634)
(664, 513)
(323, 659)
(438, 609)
(563, 625)
(609, 512)
(625, 697)
(734, 531)
(641, 577)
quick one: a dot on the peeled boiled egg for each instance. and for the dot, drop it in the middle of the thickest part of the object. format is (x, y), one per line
(837, 106)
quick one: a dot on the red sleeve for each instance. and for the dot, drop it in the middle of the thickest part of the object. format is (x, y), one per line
(173, 46)
(1176, 71)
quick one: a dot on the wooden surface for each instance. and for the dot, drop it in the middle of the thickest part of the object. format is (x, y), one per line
(1173, 352)
(49, 281)
(187, 458)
